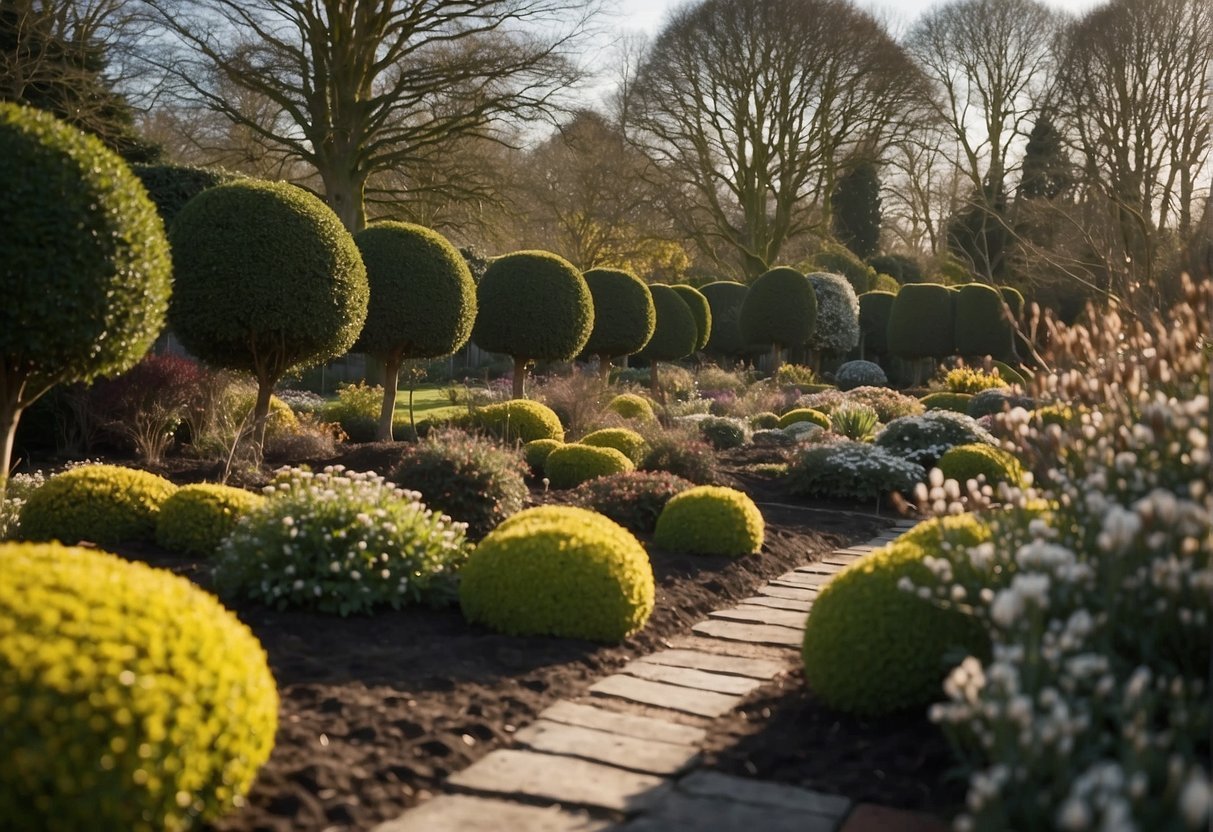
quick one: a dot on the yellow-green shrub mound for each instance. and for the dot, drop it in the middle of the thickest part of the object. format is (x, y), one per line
(105, 504)
(559, 571)
(956, 402)
(130, 700)
(628, 442)
(536, 452)
(872, 648)
(805, 414)
(710, 520)
(968, 462)
(632, 406)
(197, 517)
(570, 465)
(520, 420)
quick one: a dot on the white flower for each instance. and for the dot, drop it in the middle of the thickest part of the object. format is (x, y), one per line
(1195, 800)
(1074, 815)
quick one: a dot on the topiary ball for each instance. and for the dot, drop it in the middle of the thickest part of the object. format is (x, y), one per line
(676, 333)
(624, 317)
(559, 571)
(955, 402)
(854, 374)
(132, 699)
(710, 520)
(196, 518)
(104, 504)
(837, 329)
(632, 406)
(764, 421)
(628, 442)
(701, 311)
(725, 298)
(921, 322)
(536, 452)
(519, 420)
(780, 308)
(872, 648)
(172, 186)
(968, 462)
(982, 325)
(805, 414)
(570, 465)
(723, 433)
(997, 400)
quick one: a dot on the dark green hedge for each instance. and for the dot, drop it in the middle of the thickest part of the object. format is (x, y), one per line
(921, 322)
(874, 311)
(676, 333)
(624, 317)
(701, 310)
(779, 308)
(171, 186)
(533, 304)
(1014, 299)
(899, 266)
(837, 259)
(982, 327)
(725, 298)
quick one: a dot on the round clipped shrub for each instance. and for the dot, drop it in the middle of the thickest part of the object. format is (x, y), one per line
(904, 268)
(851, 471)
(854, 374)
(624, 317)
(924, 439)
(838, 259)
(628, 442)
(105, 504)
(710, 520)
(196, 518)
(921, 322)
(536, 452)
(837, 330)
(764, 421)
(885, 283)
(873, 648)
(888, 404)
(561, 571)
(172, 186)
(85, 271)
(982, 327)
(675, 336)
(532, 304)
(519, 420)
(779, 309)
(472, 479)
(874, 311)
(632, 406)
(723, 433)
(996, 400)
(968, 462)
(633, 499)
(701, 311)
(132, 699)
(805, 414)
(955, 402)
(725, 298)
(570, 465)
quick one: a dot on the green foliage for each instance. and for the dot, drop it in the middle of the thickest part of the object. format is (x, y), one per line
(888, 403)
(84, 265)
(921, 322)
(764, 421)
(628, 442)
(104, 504)
(20, 486)
(683, 455)
(536, 452)
(851, 471)
(805, 414)
(856, 201)
(633, 499)
(873, 648)
(723, 433)
(854, 421)
(340, 542)
(837, 330)
(1010, 374)
(902, 268)
(624, 316)
(632, 406)
(997, 400)
(561, 571)
(924, 439)
(570, 465)
(172, 186)
(710, 520)
(196, 518)
(470, 478)
(955, 402)
(969, 380)
(885, 283)
(356, 409)
(533, 304)
(854, 374)
(982, 327)
(422, 298)
(795, 374)
(701, 311)
(837, 259)
(780, 308)
(676, 333)
(967, 462)
(133, 701)
(725, 298)
(266, 279)
(875, 309)
(520, 420)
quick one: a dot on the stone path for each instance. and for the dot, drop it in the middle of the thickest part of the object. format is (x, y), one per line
(623, 757)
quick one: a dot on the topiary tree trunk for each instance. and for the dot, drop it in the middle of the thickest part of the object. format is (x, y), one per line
(10, 413)
(391, 385)
(604, 369)
(520, 365)
(261, 413)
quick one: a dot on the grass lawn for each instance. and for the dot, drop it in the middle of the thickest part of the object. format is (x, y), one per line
(429, 401)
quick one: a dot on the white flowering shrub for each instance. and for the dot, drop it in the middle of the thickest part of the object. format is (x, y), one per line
(851, 470)
(18, 489)
(854, 374)
(341, 542)
(837, 314)
(924, 439)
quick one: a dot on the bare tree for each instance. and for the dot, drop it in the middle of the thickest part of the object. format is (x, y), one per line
(361, 87)
(749, 106)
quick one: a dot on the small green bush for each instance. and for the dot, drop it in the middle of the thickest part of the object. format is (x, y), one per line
(854, 421)
(133, 701)
(971, 381)
(839, 259)
(559, 571)
(854, 374)
(921, 322)
(570, 465)
(967, 462)
(624, 317)
(632, 406)
(900, 266)
(683, 455)
(888, 403)
(795, 375)
(356, 409)
(172, 186)
(924, 439)
(780, 309)
(711, 520)
(105, 504)
(764, 421)
(472, 479)
(851, 471)
(520, 420)
(805, 414)
(536, 453)
(955, 402)
(871, 647)
(997, 400)
(633, 499)
(196, 518)
(723, 433)
(725, 298)
(676, 333)
(885, 283)
(628, 442)
(701, 311)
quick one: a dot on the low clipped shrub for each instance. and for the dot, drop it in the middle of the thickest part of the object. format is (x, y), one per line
(684, 455)
(341, 542)
(854, 374)
(570, 465)
(795, 374)
(471, 478)
(823, 401)
(924, 439)
(723, 433)
(854, 421)
(536, 453)
(969, 380)
(356, 409)
(240, 399)
(561, 571)
(838, 259)
(711, 520)
(764, 421)
(968, 462)
(132, 699)
(105, 504)
(955, 402)
(873, 648)
(997, 400)
(196, 518)
(628, 442)
(851, 471)
(888, 404)
(519, 420)
(632, 406)
(805, 414)
(633, 499)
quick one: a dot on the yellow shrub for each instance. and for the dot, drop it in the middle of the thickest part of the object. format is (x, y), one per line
(628, 442)
(570, 465)
(805, 414)
(536, 452)
(197, 518)
(520, 420)
(105, 504)
(632, 406)
(710, 520)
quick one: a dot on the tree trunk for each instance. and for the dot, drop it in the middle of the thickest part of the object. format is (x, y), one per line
(604, 369)
(345, 193)
(776, 362)
(654, 382)
(391, 382)
(265, 389)
(10, 412)
(520, 378)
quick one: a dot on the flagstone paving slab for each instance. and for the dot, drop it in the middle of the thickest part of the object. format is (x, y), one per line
(819, 568)
(465, 813)
(698, 702)
(791, 593)
(628, 725)
(690, 678)
(756, 633)
(728, 665)
(806, 578)
(632, 753)
(748, 650)
(762, 793)
(682, 813)
(776, 603)
(762, 615)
